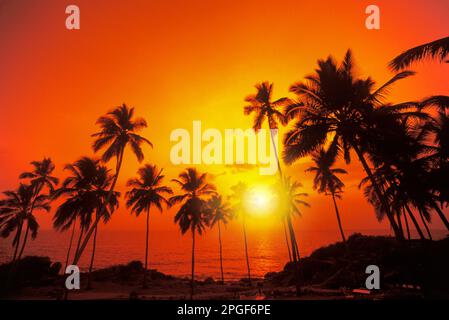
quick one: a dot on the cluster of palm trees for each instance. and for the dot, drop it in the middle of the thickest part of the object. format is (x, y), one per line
(403, 149)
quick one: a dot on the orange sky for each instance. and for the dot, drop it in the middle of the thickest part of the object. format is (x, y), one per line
(179, 61)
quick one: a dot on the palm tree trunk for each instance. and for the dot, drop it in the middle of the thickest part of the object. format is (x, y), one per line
(378, 192)
(25, 238)
(398, 214)
(246, 253)
(406, 223)
(338, 218)
(91, 266)
(286, 241)
(221, 253)
(425, 224)
(79, 238)
(70, 246)
(441, 215)
(16, 240)
(412, 217)
(146, 250)
(296, 256)
(192, 281)
(103, 208)
(276, 153)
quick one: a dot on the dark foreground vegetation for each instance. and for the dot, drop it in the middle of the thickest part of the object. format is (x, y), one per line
(414, 269)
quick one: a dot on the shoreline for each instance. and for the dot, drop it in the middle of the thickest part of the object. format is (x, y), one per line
(330, 272)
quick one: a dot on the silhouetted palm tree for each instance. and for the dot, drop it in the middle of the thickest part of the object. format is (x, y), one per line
(438, 49)
(291, 200)
(265, 109)
(16, 209)
(239, 194)
(118, 130)
(219, 212)
(192, 214)
(326, 180)
(41, 177)
(86, 191)
(147, 190)
(345, 109)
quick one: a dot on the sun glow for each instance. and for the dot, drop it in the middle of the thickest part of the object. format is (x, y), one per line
(260, 200)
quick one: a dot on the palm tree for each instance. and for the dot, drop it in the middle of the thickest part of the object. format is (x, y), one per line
(39, 178)
(326, 180)
(438, 49)
(118, 130)
(86, 191)
(239, 194)
(265, 109)
(16, 209)
(192, 214)
(346, 110)
(291, 200)
(147, 190)
(219, 212)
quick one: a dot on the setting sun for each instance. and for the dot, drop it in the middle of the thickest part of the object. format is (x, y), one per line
(260, 200)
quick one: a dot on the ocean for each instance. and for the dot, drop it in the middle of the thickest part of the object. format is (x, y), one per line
(170, 252)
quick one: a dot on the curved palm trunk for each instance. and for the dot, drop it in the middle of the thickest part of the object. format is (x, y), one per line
(192, 281)
(70, 247)
(398, 215)
(412, 217)
(25, 238)
(338, 218)
(103, 208)
(146, 250)
(441, 215)
(425, 224)
(378, 192)
(16, 241)
(221, 253)
(91, 266)
(296, 256)
(406, 224)
(80, 237)
(276, 153)
(280, 176)
(286, 241)
(246, 253)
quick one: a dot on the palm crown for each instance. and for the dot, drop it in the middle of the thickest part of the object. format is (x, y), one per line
(326, 180)
(118, 129)
(261, 104)
(192, 214)
(147, 190)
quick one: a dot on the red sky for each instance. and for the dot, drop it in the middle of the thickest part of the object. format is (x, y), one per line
(179, 61)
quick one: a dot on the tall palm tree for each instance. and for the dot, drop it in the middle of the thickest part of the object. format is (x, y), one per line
(291, 200)
(239, 194)
(192, 213)
(40, 177)
(438, 49)
(16, 209)
(118, 130)
(345, 111)
(86, 191)
(219, 212)
(147, 190)
(264, 109)
(326, 180)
